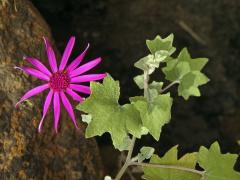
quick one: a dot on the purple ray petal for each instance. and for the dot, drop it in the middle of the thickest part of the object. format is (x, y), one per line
(77, 61)
(80, 88)
(51, 55)
(82, 69)
(56, 109)
(74, 95)
(87, 78)
(34, 72)
(67, 53)
(33, 92)
(45, 108)
(36, 63)
(68, 107)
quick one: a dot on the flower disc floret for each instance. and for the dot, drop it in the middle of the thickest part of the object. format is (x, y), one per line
(59, 81)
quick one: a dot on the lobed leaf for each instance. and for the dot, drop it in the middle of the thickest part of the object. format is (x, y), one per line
(145, 153)
(154, 115)
(186, 71)
(218, 166)
(160, 44)
(108, 116)
(160, 50)
(171, 158)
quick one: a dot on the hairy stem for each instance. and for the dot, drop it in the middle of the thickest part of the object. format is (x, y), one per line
(146, 90)
(168, 86)
(128, 160)
(129, 155)
(168, 167)
(122, 170)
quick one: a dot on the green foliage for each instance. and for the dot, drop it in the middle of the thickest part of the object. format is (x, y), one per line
(171, 158)
(217, 166)
(154, 114)
(161, 45)
(145, 153)
(139, 80)
(186, 71)
(189, 84)
(109, 116)
(160, 50)
(150, 113)
(137, 118)
(155, 89)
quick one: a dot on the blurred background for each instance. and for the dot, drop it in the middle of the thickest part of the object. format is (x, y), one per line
(117, 30)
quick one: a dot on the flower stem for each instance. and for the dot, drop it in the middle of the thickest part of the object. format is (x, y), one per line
(168, 167)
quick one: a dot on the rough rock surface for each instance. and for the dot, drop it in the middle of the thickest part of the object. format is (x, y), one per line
(24, 153)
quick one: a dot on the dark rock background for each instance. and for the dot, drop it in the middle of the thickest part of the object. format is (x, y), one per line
(117, 30)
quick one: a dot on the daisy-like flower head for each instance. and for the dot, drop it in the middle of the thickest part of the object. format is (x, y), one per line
(61, 80)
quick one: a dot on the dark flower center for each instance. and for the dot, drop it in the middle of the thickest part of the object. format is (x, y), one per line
(59, 81)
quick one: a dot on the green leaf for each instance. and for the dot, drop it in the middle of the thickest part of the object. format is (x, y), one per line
(189, 84)
(147, 63)
(186, 71)
(160, 50)
(159, 44)
(171, 158)
(139, 80)
(109, 116)
(145, 153)
(155, 89)
(176, 70)
(156, 85)
(154, 115)
(218, 166)
(196, 64)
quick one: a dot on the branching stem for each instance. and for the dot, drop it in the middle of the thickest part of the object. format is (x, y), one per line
(129, 155)
(168, 167)
(168, 86)
(133, 161)
(128, 160)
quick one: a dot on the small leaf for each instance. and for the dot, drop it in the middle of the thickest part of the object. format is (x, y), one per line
(154, 115)
(145, 153)
(171, 158)
(145, 62)
(160, 50)
(86, 118)
(159, 44)
(217, 165)
(139, 80)
(155, 89)
(189, 84)
(186, 71)
(156, 85)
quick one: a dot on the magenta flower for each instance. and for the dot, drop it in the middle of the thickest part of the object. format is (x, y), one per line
(61, 80)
